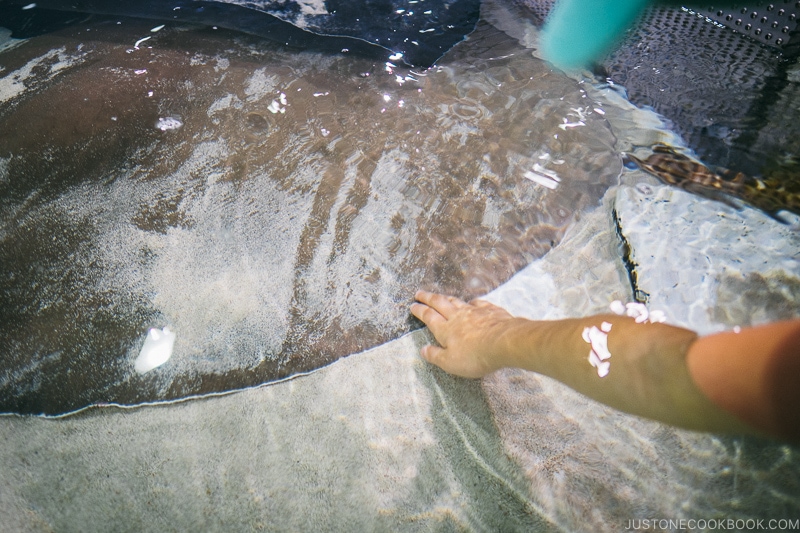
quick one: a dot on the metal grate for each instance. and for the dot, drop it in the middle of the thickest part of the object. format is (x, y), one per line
(730, 92)
(773, 23)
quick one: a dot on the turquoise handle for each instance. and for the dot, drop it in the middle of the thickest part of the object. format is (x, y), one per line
(580, 31)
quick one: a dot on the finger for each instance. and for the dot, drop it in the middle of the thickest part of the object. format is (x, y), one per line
(457, 302)
(481, 303)
(432, 354)
(444, 305)
(431, 317)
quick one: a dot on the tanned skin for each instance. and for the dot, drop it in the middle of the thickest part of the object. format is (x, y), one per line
(742, 383)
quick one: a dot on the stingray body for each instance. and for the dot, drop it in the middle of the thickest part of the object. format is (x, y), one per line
(405, 30)
(773, 193)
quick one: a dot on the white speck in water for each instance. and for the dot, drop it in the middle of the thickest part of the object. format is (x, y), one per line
(157, 28)
(168, 123)
(140, 71)
(544, 181)
(617, 307)
(598, 339)
(599, 111)
(568, 124)
(282, 98)
(274, 107)
(326, 93)
(637, 311)
(737, 329)
(542, 176)
(156, 351)
(324, 132)
(140, 41)
(149, 94)
(602, 366)
(29, 6)
(114, 119)
(387, 98)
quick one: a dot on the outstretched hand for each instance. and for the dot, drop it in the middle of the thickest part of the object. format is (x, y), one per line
(469, 334)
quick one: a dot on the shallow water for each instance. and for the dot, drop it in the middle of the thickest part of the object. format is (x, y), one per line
(264, 239)
(275, 208)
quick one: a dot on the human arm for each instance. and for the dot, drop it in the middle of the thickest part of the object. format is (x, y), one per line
(656, 371)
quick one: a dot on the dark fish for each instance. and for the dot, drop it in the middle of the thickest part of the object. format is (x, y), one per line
(779, 190)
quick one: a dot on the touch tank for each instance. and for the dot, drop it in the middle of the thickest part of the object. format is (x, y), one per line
(275, 208)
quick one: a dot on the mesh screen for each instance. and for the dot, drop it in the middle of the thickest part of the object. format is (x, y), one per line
(773, 23)
(728, 95)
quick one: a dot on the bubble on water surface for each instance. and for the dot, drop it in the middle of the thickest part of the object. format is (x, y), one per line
(169, 123)
(156, 351)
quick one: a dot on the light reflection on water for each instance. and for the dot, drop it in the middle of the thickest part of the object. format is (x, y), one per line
(285, 217)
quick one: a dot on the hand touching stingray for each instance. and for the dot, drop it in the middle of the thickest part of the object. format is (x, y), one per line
(742, 381)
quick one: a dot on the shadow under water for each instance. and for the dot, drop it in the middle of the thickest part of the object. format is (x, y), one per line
(277, 209)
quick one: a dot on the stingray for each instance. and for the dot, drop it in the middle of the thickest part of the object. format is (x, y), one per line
(418, 32)
(275, 209)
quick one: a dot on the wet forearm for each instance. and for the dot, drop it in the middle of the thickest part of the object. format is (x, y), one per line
(642, 372)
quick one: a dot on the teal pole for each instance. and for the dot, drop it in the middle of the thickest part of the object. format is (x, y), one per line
(579, 31)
